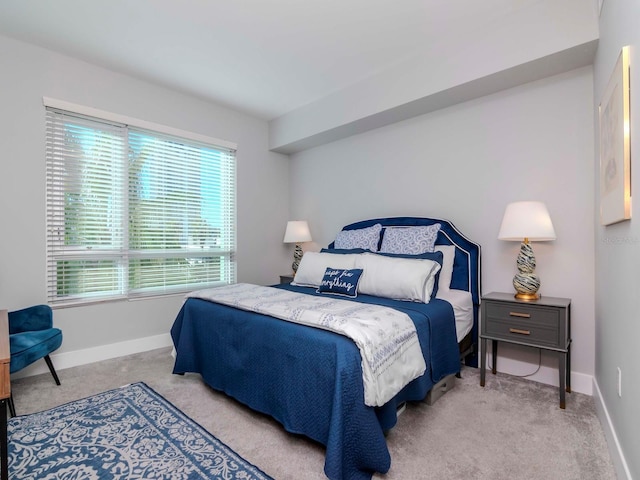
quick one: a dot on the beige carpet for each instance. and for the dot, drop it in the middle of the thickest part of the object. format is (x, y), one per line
(511, 429)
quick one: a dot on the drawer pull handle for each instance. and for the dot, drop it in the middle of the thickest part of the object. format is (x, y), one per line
(521, 332)
(521, 315)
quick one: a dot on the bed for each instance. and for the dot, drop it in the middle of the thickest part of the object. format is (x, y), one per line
(311, 379)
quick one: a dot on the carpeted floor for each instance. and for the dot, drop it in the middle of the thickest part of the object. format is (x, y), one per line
(511, 429)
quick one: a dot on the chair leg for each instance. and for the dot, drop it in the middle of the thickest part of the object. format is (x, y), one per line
(51, 369)
(12, 407)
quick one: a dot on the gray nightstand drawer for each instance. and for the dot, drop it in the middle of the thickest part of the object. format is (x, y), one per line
(520, 323)
(523, 332)
(548, 317)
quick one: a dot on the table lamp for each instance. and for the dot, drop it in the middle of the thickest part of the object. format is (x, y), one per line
(297, 232)
(526, 222)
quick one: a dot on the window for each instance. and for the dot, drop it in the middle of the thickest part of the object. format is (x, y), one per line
(134, 212)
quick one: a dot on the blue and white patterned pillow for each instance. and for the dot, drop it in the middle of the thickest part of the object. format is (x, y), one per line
(367, 238)
(340, 281)
(410, 240)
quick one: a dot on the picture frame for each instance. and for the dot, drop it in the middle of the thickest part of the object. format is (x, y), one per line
(615, 150)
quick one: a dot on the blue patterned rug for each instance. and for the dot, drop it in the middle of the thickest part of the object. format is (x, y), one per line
(126, 433)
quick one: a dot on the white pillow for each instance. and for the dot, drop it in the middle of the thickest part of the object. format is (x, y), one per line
(446, 273)
(313, 265)
(397, 278)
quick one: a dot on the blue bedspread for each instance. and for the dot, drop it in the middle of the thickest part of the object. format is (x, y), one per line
(308, 379)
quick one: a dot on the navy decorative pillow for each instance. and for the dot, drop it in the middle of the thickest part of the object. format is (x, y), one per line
(343, 251)
(340, 282)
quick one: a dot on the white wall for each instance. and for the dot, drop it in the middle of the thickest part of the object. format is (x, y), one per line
(465, 163)
(28, 74)
(617, 247)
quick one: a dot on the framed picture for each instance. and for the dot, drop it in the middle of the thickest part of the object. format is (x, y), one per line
(615, 153)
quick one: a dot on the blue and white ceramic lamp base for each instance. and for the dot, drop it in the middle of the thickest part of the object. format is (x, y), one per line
(526, 282)
(297, 256)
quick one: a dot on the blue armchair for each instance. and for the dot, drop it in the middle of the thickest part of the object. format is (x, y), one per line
(32, 337)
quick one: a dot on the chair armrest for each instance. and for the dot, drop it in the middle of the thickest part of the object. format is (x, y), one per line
(38, 317)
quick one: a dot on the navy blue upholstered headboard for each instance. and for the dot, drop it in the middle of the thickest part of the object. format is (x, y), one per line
(466, 267)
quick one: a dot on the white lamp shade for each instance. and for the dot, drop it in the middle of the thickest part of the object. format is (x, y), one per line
(529, 220)
(297, 232)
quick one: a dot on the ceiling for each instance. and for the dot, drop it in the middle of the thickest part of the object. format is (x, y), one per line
(264, 57)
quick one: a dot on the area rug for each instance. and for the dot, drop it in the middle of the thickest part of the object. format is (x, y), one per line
(127, 433)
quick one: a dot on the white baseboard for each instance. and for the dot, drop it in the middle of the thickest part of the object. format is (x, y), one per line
(617, 457)
(580, 382)
(96, 354)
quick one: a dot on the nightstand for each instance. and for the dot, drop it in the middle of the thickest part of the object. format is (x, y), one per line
(286, 278)
(544, 323)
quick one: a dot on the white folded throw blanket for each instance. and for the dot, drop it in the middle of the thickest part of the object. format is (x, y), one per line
(387, 339)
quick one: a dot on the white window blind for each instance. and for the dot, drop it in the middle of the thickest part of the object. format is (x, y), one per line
(132, 212)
